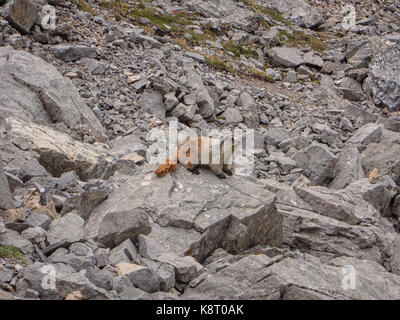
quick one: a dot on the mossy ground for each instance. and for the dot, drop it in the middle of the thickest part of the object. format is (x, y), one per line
(12, 253)
(218, 64)
(239, 50)
(84, 6)
(300, 39)
(273, 14)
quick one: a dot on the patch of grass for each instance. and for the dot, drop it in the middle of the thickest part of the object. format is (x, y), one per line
(219, 64)
(84, 6)
(300, 39)
(12, 253)
(172, 24)
(137, 10)
(340, 34)
(239, 50)
(259, 74)
(273, 14)
(181, 42)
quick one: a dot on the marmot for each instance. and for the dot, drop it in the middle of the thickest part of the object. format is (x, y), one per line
(373, 176)
(196, 152)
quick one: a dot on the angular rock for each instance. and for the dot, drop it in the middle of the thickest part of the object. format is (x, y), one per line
(116, 227)
(203, 99)
(22, 13)
(378, 194)
(78, 262)
(298, 11)
(351, 89)
(140, 276)
(125, 252)
(186, 268)
(337, 205)
(32, 89)
(328, 135)
(6, 200)
(318, 163)
(384, 157)
(14, 239)
(216, 215)
(65, 283)
(68, 227)
(275, 135)
(313, 60)
(231, 116)
(261, 277)
(286, 57)
(165, 273)
(132, 293)
(348, 169)
(359, 53)
(153, 103)
(60, 153)
(70, 53)
(369, 133)
(384, 77)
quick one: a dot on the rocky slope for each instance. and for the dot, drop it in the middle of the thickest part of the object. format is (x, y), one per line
(79, 105)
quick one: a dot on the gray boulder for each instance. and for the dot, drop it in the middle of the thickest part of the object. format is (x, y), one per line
(348, 169)
(384, 77)
(203, 99)
(298, 11)
(32, 89)
(286, 57)
(359, 53)
(6, 200)
(313, 60)
(77, 261)
(116, 227)
(140, 276)
(22, 14)
(369, 133)
(186, 268)
(265, 278)
(152, 102)
(68, 227)
(125, 252)
(198, 214)
(383, 156)
(351, 89)
(14, 239)
(70, 53)
(132, 293)
(318, 163)
(337, 205)
(65, 283)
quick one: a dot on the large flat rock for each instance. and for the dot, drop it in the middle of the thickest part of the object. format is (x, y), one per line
(194, 214)
(32, 89)
(264, 278)
(60, 153)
